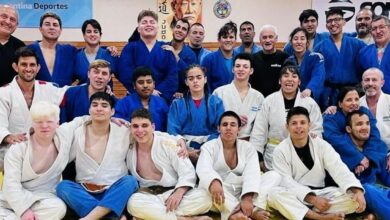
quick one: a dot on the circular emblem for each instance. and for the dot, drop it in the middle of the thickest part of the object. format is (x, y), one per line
(222, 9)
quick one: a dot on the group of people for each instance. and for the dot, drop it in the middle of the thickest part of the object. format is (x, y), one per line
(234, 131)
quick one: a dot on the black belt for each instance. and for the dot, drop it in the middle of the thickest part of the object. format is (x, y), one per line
(155, 190)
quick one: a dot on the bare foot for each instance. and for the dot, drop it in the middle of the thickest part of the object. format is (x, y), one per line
(260, 214)
(123, 217)
(333, 216)
(370, 216)
(238, 216)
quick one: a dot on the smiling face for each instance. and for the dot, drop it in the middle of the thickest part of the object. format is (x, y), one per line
(100, 110)
(188, 9)
(142, 130)
(180, 31)
(50, 29)
(27, 68)
(226, 43)
(372, 82)
(360, 127)
(289, 83)
(242, 70)
(298, 127)
(350, 102)
(299, 42)
(268, 39)
(92, 35)
(380, 31)
(147, 27)
(334, 24)
(8, 20)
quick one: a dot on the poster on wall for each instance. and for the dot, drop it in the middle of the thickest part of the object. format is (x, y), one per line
(171, 10)
(350, 9)
(72, 12)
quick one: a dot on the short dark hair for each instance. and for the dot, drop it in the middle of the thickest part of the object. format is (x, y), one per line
(297, 110)
(246, 23)
(142, 71)
(244, 56)
(299, 29)
(184, 20)
(305, 14)
(94, 23)
(288, 67)
(230, 114)
(197, 24)
(102, 96)
(226, 28)
(24, 52)
(50, 15)
(344, 91)
(334, 11)
(145, 13)
(193, 66)
(354, 112)
(142, 113)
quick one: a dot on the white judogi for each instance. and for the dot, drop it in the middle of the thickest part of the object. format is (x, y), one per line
(24, 188)
(113, 165)
(289, 198)
(270, 126)
(14, 112)
(382, 116)
(243, 179)
(248, 107)
(176, 172)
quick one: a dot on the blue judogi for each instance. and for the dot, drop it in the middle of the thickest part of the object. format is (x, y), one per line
(83, 202)
(334, 132)
(318, 38)
(203, 52)
(311, 71)
(377, 199)
(340, 67)
(157, 107)
(82, 63)
(162, 62)
(63, 70)
(184, 118)
(368, 58)
(241, 49)
(216, 71)
(75, 103)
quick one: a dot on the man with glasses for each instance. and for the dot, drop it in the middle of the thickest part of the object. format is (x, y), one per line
(363, 25)
(378, 54)
(340, 54)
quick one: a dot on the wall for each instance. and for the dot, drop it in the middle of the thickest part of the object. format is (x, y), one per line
(118, 18)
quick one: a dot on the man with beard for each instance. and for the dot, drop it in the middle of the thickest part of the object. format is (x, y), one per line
(143, 82)
(267, 63)
(247, 34)
(363, 25)
(358, 131)
(308, 20)
(196, 37)
(8, 43)
(378, 54)
(18, 96)
(183, 54)
(56, 60)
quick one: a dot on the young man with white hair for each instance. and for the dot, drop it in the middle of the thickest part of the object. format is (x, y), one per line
(268, 62)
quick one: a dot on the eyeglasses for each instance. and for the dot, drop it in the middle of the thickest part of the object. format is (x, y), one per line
(336, 20)
(380, 27)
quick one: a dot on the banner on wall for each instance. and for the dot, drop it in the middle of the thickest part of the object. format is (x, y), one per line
(72, 12)
(170, 10)
(350, 8)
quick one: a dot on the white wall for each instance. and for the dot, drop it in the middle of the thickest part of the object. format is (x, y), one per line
(118, 18)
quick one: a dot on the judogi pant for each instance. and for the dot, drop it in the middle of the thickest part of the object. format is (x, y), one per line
(377, 200)
(113, 198)
(145, 205)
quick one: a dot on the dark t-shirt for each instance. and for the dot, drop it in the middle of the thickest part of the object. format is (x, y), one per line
(305, 155)
(265, 77)
(7, 52)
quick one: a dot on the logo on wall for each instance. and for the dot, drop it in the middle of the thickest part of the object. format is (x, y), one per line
(222, 9)
(346, 6)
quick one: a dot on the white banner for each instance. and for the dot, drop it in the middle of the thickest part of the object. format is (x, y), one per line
(350, 8)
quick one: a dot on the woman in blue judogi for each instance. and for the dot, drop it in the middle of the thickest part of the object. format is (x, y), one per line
(310, 64)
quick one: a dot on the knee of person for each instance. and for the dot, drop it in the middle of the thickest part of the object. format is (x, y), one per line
(274, 176)
(130, 181)
(62, 187)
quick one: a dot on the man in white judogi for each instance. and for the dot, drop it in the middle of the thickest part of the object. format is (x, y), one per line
(166, 180)
(17, 97)
(239, 97)
(302, 162)
(269, 128)
(229, 169)
(378, 103)
(33, 167)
